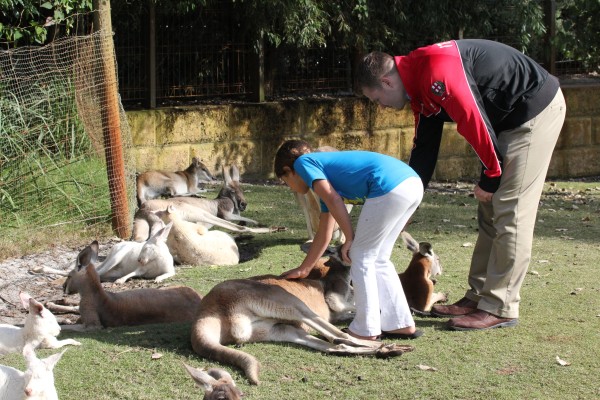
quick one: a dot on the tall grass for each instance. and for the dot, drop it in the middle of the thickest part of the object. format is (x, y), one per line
(49, 171)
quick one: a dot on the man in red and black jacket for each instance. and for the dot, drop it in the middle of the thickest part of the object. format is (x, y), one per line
(510, 110)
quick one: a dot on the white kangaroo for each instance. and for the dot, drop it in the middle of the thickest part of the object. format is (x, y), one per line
(416, 279)
(149, 259)
(40, 330)
(217, 383)
(193, 244)
(273, 309)
(153, 184)
(36, 383)
(99, 308)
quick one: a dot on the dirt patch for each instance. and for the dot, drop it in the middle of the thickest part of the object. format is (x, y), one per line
(16, 276)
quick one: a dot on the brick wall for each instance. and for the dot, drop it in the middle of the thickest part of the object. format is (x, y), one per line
(249, 135)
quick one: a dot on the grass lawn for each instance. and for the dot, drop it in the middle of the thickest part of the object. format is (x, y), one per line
(560, 316)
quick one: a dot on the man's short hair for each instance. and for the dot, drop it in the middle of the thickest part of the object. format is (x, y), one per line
(371, 68)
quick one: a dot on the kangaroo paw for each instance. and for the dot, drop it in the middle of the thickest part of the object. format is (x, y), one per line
(393, 350)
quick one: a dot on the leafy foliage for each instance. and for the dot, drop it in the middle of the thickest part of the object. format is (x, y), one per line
(580, 29)
(24, 22)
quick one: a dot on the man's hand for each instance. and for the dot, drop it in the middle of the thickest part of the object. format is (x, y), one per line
(482, 195)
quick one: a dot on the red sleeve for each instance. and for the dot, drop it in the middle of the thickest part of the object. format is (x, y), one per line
(448, 86)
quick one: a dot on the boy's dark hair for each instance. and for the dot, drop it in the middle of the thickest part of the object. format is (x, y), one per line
(288, 153)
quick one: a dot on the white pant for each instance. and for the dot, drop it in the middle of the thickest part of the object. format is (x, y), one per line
(380, 300)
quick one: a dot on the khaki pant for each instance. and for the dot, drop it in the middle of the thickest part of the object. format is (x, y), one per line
(503, 249)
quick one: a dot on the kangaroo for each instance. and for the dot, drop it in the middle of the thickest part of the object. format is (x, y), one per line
(193, 244)
(217, 383)
(221, 211)
(150, 259)
(273, 309)
(145, 223)
(416, 279)
(154, 183)
(101, 309)
(37, 382)
(40, 330)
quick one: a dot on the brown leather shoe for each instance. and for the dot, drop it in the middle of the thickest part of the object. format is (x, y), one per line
(462, 307)
(480, 320)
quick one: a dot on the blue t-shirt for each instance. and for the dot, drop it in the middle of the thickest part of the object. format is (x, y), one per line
(355, 175)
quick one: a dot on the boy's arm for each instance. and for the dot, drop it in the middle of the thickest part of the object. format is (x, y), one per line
(317, 248)
(338, 210)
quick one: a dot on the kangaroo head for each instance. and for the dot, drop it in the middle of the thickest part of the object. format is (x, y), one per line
(423, 250)
(200, 170)
(232, 189)
(39, 376)
(426, 250)
(155, 247)
(39, 318)
(87, 256)
(217, 383)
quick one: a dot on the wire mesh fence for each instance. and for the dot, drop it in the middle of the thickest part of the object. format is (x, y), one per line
(52, 143)
(203, 56)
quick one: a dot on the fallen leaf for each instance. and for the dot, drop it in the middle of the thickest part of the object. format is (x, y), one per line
(561, 229)
(533, 273)
(156, 356)
(576, 290)
(467, 244)
(426, 368)
(562, 362)
(543, 261)
(445, 220)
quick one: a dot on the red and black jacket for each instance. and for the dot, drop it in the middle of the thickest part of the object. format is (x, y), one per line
(485, 87)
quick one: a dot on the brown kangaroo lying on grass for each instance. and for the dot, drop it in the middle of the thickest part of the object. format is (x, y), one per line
(217, 383)
(221, 211)
(153, 184)
(416, 279)
(99, 308)
(272, 309)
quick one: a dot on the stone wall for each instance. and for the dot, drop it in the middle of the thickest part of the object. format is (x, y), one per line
(249, 135)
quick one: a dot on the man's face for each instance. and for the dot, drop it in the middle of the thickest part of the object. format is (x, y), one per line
(391, 93)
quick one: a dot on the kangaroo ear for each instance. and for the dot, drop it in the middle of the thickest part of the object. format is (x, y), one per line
(226, 177)
(163, 233)
(196, 161)
(53, 359)
(87, 255)
(425, 249)
(35, 307)
(201, 377)
(235, 173)
(410, 242)
(24, 299)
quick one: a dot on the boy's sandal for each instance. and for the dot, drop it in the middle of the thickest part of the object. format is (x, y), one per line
(403, 336)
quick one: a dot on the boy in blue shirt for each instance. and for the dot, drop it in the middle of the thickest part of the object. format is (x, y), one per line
(390, 192)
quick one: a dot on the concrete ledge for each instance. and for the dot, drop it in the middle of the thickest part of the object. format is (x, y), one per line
(249, 135)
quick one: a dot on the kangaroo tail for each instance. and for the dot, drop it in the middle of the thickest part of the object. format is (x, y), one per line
(206, 343)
